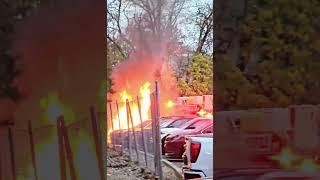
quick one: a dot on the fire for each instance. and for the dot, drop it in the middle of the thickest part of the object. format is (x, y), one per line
(169, 104)
(204, 113)
(121, 122)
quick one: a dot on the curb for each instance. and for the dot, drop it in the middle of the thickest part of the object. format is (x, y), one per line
(176, 169)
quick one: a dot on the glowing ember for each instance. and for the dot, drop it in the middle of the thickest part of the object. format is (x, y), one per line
(285, 158)
(204, 113)
(169, 104)
(121, 122)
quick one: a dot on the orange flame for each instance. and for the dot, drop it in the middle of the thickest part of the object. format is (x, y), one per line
(204, 113)
(122, 122)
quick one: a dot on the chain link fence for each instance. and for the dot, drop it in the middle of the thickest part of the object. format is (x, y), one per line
(55, 151)
(133, 129)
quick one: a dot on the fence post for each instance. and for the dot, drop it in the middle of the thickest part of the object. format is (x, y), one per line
(121, 139)
(68, 149)
(142, 133)
(96, 141)
(12, 154)
(63, 173)
(128, 132)
(153, 130)
(157, 132)
(32, 146)
(112, 129)
(134, 133)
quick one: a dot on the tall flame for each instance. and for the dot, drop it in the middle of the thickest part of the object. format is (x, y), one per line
(122, 122)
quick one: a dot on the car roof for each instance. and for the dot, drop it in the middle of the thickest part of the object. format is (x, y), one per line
(194, 120)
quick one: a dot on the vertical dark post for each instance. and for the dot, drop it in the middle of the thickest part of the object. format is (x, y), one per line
(96, 141)
(63, 173)
(153, 117)
(121, 140)
(142, 133)
(112, 128)
(12, 154)
(158, 141)
(33, 154)
(128, 132)
(65, 136)
(133, 131)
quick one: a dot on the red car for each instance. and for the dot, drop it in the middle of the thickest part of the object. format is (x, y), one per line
(173, 146)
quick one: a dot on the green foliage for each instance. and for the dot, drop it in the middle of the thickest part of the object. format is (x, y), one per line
(199, 80)
(285, 35)
(233, 90)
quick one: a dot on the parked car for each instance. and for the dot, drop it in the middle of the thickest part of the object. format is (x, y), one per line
(181, 127)
(174, 143)
(198, 156)
(167, 124)
(175, 125)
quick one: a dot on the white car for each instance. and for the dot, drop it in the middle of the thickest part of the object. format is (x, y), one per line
(198, 156)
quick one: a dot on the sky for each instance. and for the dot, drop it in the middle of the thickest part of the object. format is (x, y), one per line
(187, 27)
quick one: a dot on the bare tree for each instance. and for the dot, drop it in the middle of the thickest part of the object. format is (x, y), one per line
(116, 16)
(204, 21)
(139, 22)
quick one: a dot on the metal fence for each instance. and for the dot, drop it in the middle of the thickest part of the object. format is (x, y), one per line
(129, 132)
(56, 151)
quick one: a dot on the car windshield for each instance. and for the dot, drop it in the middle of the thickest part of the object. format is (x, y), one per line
(197, 123)
(178, 123)
(166, 123)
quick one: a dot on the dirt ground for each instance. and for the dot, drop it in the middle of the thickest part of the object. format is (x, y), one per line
(119, 167)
